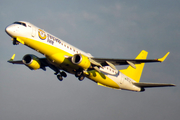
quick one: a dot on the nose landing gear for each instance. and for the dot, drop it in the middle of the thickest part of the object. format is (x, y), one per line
(15, 42)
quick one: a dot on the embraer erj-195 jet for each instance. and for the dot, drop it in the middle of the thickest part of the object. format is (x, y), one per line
(63, 57)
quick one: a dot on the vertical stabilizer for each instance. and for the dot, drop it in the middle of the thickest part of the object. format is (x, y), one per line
(135, 73)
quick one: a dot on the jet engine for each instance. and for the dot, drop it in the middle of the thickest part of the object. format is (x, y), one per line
(81, 60)
(31, 61)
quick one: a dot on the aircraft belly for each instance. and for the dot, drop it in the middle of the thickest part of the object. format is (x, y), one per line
(118, 81)
(54, 55)
(42, 47)
(125, 83)
(102, 79)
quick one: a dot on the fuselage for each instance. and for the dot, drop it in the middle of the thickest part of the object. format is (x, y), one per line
(58, 53)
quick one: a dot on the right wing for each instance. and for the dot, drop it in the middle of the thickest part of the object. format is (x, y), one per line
(14, 62)
(42, 60)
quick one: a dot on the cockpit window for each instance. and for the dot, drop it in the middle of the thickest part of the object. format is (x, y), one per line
(20, 23)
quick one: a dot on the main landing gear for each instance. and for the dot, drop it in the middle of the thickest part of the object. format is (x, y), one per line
(79, 75)
(60, 75)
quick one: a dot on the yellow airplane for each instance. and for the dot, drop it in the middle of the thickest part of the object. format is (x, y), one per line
(63, 57)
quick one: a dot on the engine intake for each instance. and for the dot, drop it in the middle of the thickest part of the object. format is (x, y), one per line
(32, 61)
(81, 60)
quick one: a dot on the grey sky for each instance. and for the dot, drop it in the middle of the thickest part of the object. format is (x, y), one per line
(104, 28)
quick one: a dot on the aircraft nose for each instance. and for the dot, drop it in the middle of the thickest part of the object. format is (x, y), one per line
(10, 30)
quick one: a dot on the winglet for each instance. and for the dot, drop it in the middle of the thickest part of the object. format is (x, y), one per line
(12, 58)
(163, 58)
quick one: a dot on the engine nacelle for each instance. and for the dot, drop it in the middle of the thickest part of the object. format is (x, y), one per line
(32, 61)
(81, 60)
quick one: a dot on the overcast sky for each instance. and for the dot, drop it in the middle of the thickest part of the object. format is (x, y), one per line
(104, 28)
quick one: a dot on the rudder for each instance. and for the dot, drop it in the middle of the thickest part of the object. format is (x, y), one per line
(135, 73)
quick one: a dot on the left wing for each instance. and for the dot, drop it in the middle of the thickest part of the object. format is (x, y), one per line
(105, 61)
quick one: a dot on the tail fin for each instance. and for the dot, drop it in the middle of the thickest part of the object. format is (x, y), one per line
(135, 73)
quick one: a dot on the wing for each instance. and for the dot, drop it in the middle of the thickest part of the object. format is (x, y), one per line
(103, 61)
(42, 60)
(14, 62)
(146, 85)
(43, 64)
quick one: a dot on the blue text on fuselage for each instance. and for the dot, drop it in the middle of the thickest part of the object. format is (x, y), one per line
(51, 39)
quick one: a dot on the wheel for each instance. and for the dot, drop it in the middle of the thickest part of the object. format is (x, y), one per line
(60, 78)
(56, 72)
(81, 77)
(15, 42)
(63, 74)
(78, 74)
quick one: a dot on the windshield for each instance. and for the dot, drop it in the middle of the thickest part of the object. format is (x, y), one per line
(20, 23)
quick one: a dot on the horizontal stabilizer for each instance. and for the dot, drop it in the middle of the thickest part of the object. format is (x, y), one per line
(146, 85)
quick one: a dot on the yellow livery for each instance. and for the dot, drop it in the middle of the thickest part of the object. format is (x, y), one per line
(64, 58)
